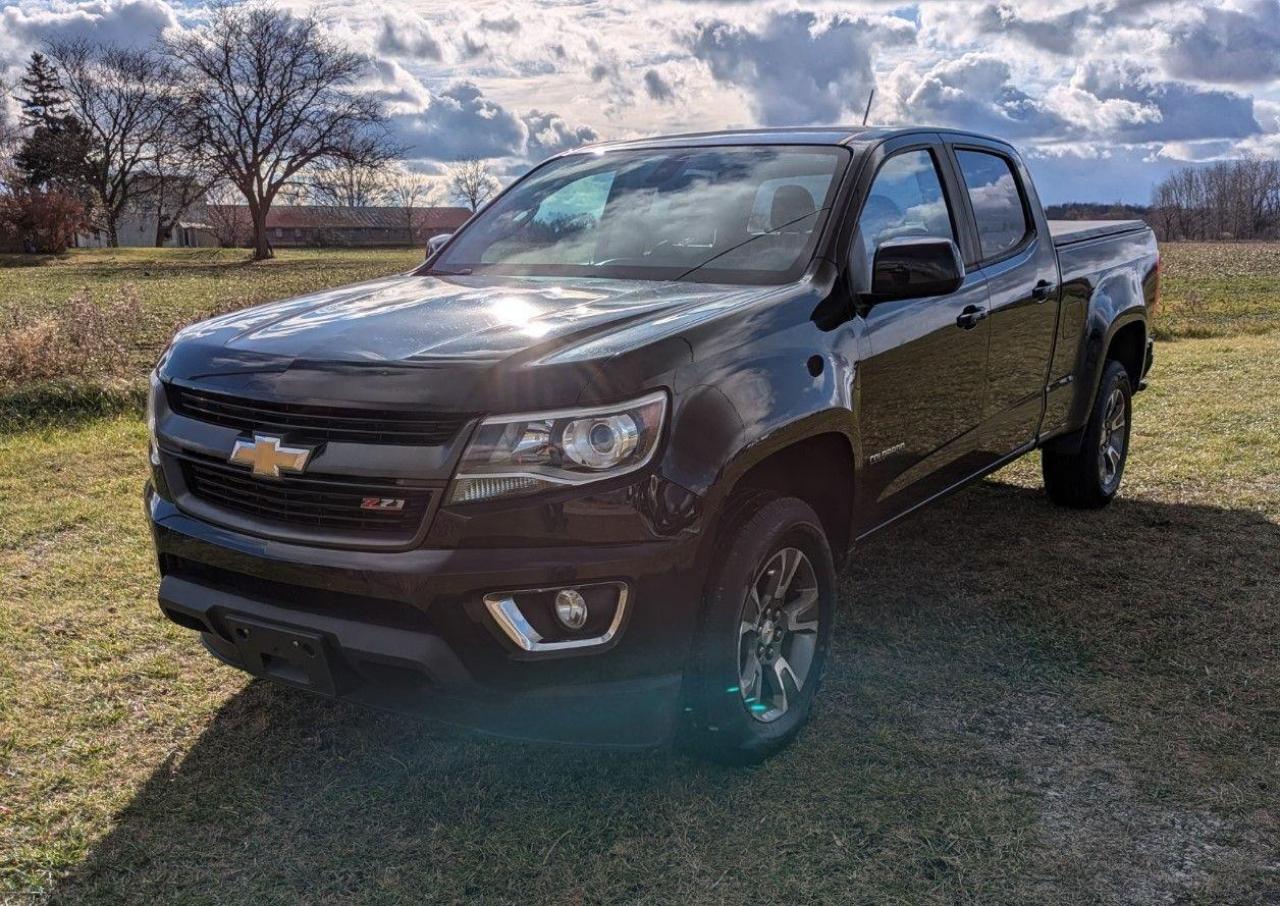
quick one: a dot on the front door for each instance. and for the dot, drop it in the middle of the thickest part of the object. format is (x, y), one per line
(922, 374)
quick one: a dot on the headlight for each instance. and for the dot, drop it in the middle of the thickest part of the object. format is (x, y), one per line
(154, 390)
(521, 454)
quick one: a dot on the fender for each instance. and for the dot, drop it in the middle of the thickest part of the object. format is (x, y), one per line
(762, 376)
(1116, 302)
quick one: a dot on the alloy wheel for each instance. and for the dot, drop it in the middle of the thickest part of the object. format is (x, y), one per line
(778, 634)
(1114, 437)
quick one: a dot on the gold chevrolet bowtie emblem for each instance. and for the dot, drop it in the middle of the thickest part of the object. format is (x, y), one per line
(266, 456)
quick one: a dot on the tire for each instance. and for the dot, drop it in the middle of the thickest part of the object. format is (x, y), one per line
(738, 714)
(1089, 478)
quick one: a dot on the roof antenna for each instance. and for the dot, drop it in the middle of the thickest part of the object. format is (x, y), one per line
(867, 112)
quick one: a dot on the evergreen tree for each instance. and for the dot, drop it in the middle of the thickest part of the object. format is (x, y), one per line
(45, 100)
(55, 155)
(55, 151)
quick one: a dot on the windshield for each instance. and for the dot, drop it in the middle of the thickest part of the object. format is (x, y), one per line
(734, 215)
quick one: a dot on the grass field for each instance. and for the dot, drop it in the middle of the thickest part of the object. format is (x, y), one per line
(1023, 704)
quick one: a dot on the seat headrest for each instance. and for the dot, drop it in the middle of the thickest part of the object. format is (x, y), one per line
(790, 203)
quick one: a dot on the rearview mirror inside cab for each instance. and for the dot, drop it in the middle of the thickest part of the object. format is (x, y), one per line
(914, 266)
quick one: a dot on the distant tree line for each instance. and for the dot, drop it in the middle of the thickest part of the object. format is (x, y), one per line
(256, 105)
(1088, 210)
(1234, 199)
(1231, 199)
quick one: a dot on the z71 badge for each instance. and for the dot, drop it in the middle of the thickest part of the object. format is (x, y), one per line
(382, 503)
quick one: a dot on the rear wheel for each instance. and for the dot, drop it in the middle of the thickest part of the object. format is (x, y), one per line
(1089, 478)
(765, 631)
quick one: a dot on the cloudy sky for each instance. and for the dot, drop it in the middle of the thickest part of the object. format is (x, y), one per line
(1104, 97)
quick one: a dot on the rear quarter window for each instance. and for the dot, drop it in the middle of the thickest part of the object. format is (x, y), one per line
(996, 200)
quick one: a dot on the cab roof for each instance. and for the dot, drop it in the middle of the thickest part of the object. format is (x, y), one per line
(795, 135)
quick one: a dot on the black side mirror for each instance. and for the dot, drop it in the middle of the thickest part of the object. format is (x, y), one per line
(911, 267)
(435, 243)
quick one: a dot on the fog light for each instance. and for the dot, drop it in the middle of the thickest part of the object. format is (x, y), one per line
(571, 608)
(543, 620)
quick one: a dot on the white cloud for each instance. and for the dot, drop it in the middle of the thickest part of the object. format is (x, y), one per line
(398, 88)
(461, 122)
(975, 91)
(26, 26)
(549, 134)
(1186, 112)
(657, 86)
(408, 36)
(1268, 115)
(1104, 95)
(797, 68)
(1238, 46)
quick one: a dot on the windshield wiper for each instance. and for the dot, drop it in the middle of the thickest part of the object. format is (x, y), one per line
(732, 248)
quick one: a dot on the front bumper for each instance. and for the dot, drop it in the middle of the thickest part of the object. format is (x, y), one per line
(409, 630)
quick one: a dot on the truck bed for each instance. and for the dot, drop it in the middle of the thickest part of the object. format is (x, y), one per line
(1067, 232)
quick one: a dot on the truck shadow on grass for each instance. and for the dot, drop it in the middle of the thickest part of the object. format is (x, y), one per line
(1022, 704)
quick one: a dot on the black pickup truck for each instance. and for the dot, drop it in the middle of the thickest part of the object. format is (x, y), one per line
(589, 472)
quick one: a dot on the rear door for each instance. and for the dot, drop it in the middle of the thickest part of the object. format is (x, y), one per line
(1013, 251)
(923, 369)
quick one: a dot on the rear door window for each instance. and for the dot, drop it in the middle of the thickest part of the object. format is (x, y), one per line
(996, 200)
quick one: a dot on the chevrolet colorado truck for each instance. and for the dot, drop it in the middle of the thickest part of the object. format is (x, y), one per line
(589, 472)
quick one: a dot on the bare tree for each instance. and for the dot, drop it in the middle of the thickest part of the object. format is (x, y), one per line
(355, 179)
(10, 142)
(179, 180)
(294, 192)
(227, 218)
(268, 95)
(10, 138)
(472, 182)
(119, 96)
(413, 192)
(1236, 199)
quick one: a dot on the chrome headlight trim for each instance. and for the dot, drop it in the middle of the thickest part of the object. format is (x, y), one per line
(524, 453)
(154, 388)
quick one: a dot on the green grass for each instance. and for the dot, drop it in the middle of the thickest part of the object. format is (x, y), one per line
(1023, 705)
(184, 283)
(1215, 289)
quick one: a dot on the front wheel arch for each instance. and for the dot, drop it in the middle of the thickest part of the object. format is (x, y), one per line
(817, 468)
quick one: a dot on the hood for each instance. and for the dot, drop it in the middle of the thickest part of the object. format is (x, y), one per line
(407, 319)
(464, 330)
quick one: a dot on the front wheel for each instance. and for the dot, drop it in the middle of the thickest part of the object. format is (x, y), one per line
(765, 630)
(1089, 478)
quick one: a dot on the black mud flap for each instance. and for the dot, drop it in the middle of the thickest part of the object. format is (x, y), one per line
(288, 655)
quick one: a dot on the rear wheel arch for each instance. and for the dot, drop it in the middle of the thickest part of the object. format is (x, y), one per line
(1123, 340)
(1128, 346)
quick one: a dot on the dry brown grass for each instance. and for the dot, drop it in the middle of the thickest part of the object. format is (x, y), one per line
(78, 339)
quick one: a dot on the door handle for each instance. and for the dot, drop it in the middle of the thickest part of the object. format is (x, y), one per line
(969, 316)
(1042, 290)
